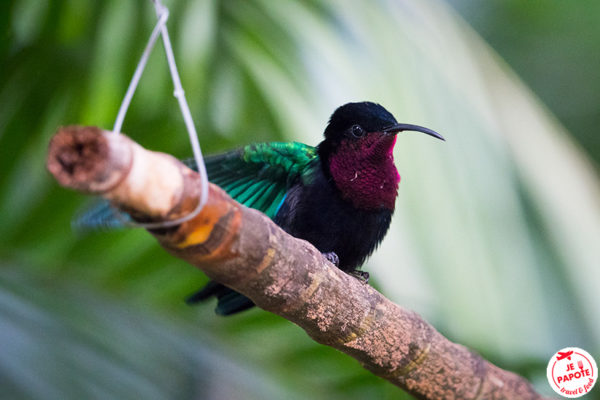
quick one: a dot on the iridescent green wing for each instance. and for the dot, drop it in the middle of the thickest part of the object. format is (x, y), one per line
(259, 175)
(256, 175)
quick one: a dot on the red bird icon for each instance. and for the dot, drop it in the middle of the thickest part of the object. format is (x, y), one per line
(562, 356)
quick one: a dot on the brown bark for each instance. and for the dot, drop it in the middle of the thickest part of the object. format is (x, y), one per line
(246, 251)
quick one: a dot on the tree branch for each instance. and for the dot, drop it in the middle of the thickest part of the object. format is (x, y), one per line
(245, 250)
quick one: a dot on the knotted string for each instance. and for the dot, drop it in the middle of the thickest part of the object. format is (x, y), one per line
(162, 13)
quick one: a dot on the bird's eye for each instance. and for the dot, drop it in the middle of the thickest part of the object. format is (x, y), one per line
(357, 131)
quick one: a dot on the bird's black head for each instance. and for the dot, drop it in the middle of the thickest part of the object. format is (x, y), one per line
(359, 122)
(356, 119)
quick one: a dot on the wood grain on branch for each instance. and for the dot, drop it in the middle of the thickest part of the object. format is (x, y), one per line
(246, 251)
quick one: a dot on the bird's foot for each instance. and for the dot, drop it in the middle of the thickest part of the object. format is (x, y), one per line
(332, 258)
(362, 276)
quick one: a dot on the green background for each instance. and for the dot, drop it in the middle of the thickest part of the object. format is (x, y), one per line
(495, 237)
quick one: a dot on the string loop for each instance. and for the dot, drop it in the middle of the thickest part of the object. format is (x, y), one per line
(162, 14)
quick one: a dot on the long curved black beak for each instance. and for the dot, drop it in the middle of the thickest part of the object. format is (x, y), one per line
(394, 129)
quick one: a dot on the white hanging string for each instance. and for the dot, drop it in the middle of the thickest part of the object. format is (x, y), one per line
(138, 71)
(162, 14)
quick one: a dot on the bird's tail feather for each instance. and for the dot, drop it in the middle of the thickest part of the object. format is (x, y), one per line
(99, 215)
(229, 301)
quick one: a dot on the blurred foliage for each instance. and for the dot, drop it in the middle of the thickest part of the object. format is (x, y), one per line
(554, 46)
(495, 238)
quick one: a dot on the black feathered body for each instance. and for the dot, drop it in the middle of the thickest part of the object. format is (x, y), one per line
(317, 213)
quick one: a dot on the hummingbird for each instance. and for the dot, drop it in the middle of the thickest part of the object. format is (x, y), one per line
(339, 195)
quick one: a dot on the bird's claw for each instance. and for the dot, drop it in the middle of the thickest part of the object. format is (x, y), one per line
(362, 276)
(332, 258)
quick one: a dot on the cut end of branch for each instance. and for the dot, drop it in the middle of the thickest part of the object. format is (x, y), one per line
(79, 158)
